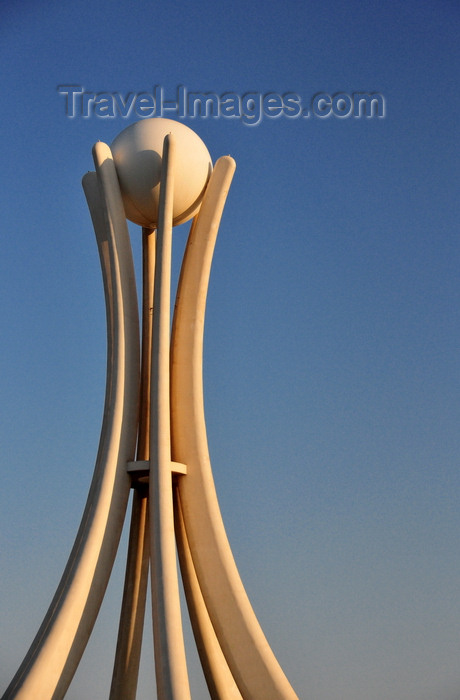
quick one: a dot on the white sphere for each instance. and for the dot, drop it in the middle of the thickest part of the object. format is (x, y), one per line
(137, 153)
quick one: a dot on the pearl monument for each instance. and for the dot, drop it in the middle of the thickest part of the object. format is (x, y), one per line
(157, 173)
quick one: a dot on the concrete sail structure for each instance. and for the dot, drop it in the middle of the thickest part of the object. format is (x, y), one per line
(153, 442)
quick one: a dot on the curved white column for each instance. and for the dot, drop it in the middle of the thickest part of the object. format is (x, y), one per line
(170, 662)
(130, 630)
(250, 659)
(48, 667)
(221, 684)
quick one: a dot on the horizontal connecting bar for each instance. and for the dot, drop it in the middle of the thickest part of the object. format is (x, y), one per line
(142, 466)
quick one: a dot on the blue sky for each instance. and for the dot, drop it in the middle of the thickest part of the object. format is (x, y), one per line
(332, 346)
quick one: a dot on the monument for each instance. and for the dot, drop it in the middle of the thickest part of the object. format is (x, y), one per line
(157, 173)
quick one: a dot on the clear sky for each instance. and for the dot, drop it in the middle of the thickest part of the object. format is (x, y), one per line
(332, 348)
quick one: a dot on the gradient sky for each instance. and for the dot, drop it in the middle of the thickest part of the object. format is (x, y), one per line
(332, 348)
